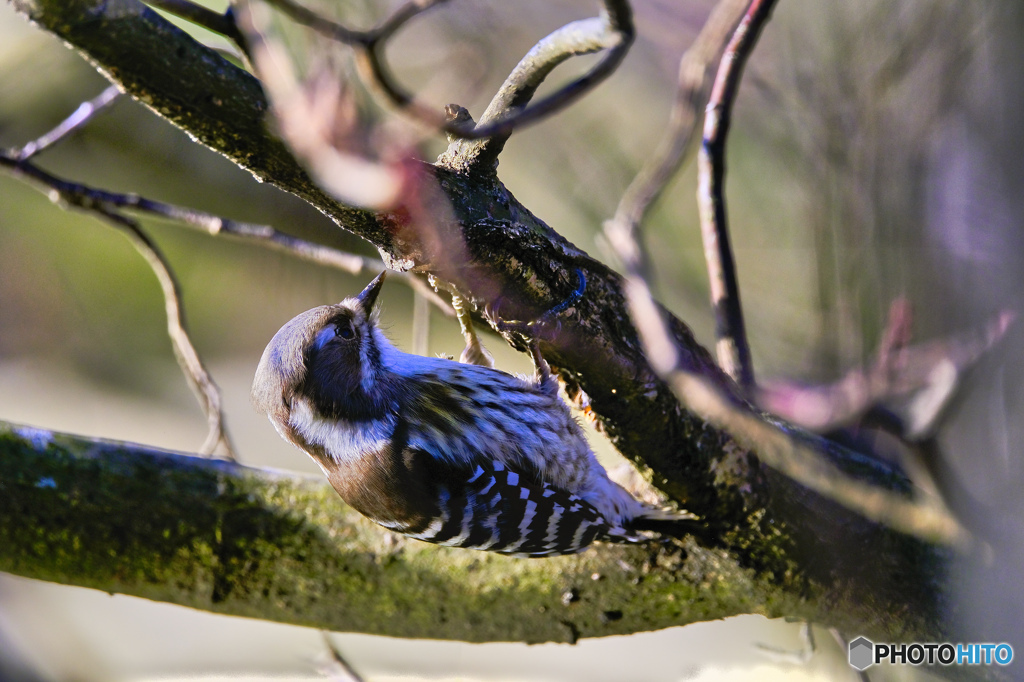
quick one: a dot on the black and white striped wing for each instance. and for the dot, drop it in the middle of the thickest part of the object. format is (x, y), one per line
(501, 510)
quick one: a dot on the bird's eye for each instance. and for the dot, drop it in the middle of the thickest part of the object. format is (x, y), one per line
(344, 331)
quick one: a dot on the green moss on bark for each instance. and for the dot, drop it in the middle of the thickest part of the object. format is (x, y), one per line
(225, 538)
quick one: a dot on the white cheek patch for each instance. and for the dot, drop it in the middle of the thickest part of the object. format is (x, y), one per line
(342, 441)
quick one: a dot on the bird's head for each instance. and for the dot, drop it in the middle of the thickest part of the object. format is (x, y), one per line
(330, 356)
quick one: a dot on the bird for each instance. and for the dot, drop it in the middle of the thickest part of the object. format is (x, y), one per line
(455, 454)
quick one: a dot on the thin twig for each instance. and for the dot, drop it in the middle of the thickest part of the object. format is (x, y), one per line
(420, 324)
(693, 85)
(108, 207)
(199, 379)
(81, 116)
(340, 670)
(263, 235)
(732, 347)
(371, 44)
(203, 385)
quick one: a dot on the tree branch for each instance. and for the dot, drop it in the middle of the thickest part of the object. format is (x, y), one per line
(221, 537)
(733, 348)
(691, 94)
(577, 38)
(82, 115)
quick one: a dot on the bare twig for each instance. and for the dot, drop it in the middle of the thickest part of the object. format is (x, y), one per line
(607, 32)
(108, 207)
(199, 379)
(732, 347)
(339, 670)
(420, 325)
(694, 83)
(370, 45)
(263, 235)
(81, 116)
(203, 385)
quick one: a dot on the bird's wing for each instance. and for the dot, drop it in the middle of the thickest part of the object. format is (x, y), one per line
(494, 507)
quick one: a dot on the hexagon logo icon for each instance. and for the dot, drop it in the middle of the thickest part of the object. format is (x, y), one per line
(862, 653)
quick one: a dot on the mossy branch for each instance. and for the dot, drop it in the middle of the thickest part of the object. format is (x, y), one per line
(221, 537)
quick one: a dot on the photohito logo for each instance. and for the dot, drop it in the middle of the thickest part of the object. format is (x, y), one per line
(864, 653)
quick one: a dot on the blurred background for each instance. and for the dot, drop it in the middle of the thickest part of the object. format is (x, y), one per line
(877, 152)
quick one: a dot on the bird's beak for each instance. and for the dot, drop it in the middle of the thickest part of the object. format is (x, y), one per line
(368, 296)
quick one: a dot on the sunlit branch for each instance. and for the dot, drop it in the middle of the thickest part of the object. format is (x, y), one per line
(732, 346)
(782, 447)
(255, 233)
(774, 443)
(577, 38)
(82, 115)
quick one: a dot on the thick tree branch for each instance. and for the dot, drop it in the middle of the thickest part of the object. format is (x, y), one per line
(221, 537)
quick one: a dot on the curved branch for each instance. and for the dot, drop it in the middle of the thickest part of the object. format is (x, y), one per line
(616, 32)
(692, 93)
(204, 388)
(506, 108)
(733, 348)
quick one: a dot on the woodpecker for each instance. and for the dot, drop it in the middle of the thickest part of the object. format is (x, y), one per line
(450, 453)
